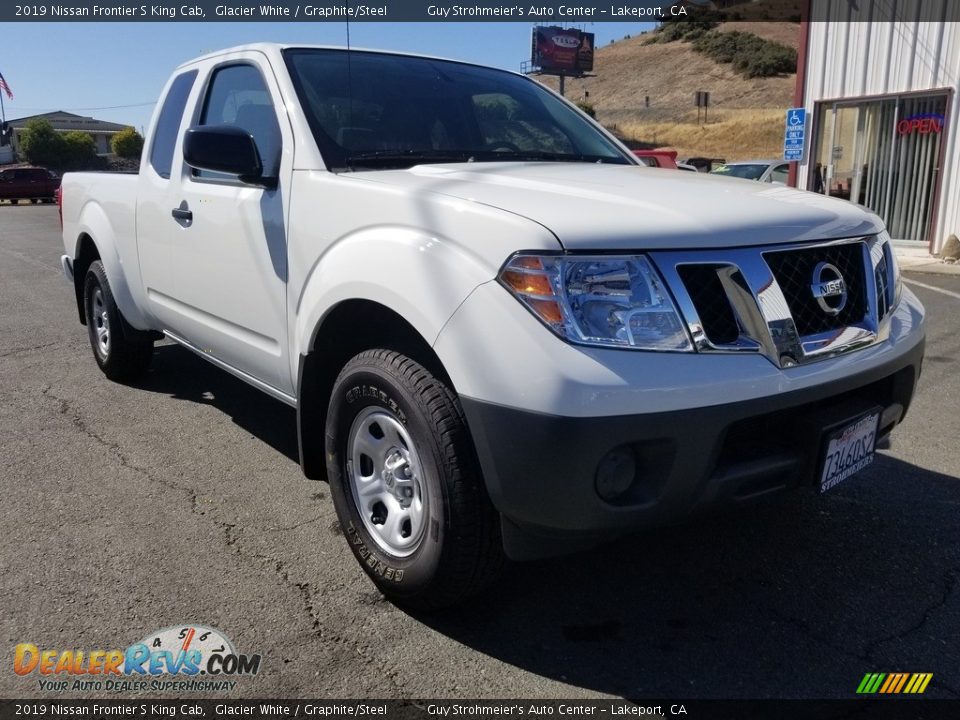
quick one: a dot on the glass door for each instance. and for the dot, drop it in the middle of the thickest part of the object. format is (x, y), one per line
(883, 154)
(842, 169)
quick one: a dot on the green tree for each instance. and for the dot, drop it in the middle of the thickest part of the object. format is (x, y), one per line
(80, 149)
(40, 144)
(127, 143)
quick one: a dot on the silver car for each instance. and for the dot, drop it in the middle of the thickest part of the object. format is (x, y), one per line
(771, 171)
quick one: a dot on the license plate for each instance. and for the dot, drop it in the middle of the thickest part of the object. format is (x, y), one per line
(849, 450)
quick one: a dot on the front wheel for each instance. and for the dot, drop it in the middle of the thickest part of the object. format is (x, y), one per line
(406, 483)
(122, 352)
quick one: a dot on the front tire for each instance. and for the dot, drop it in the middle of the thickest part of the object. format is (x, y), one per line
(406, 483)
(122, 352)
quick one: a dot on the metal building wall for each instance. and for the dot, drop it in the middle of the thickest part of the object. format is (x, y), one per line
(859, 52)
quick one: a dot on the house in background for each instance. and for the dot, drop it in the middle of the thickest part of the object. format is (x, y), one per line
(101, 130)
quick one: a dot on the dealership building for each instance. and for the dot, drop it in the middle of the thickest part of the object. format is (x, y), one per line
(882, 95)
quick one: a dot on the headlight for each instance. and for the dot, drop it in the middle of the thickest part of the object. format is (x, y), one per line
(609, 301)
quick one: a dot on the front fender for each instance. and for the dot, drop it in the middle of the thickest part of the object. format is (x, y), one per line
(423, 278)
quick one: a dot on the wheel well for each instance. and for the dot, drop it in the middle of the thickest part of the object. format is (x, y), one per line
(348, 329)
(86, 254)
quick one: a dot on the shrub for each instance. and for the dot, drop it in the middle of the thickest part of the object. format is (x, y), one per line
(672, 30)
(587, 108)
(80, 149)
(127, 143)
(40, 144)
(749, 54)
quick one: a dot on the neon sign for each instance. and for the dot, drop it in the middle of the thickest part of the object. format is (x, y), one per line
(924, 124)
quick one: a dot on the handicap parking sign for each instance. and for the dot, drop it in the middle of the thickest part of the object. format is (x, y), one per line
(794, 135)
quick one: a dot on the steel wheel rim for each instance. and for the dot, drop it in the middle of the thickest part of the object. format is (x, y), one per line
(101, 322)
(386, 481)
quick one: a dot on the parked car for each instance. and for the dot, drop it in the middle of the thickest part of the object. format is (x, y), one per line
(704, 164)
(28, 183)
(499, 337)
(658, 158)
(686, 166)
(770, 171)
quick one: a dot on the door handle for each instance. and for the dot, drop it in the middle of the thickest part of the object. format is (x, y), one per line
(183, 213)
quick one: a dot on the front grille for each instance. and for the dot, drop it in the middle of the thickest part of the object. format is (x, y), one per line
(711, 303)
(793, 270)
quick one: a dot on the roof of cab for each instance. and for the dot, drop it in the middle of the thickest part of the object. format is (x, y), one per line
(276, 48)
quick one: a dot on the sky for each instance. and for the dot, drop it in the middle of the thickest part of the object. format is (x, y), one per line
(91, 68)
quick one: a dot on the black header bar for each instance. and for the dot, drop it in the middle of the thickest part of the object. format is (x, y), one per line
(533, 11)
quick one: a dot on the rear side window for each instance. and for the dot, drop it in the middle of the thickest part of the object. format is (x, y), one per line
(168, 124)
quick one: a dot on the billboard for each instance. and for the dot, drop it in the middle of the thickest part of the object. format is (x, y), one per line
(562, 50)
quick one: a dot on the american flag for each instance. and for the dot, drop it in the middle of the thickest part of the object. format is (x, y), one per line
(5, 87)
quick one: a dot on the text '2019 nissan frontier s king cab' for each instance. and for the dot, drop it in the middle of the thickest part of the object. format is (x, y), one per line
(502, 336)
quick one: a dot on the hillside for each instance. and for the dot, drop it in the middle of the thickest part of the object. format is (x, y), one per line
(745, 116)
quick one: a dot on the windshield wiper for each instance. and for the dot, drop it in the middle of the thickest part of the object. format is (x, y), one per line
(406, 158)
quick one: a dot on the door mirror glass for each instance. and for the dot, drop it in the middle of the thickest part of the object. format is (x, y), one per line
(225, 149)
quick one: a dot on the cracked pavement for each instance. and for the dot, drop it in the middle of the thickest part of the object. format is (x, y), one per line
(179, 500)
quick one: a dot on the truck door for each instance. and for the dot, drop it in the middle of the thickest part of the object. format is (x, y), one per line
(228, 239)
(158, 191)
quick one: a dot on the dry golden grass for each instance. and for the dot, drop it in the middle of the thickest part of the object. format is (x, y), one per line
(628, 72)
(741, 134)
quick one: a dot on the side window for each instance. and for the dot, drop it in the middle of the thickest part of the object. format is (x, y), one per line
(780, 174)
(239, 96)
(168, 124)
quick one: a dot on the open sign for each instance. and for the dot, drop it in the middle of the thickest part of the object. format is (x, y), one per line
(923, 124)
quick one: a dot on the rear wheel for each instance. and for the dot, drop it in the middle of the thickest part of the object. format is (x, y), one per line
(122, 352)
(406, 483)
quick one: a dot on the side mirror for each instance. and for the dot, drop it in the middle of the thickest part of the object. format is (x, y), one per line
(226, 149)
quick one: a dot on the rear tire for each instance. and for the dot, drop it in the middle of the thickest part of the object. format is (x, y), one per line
(406, 483)
(122, 352)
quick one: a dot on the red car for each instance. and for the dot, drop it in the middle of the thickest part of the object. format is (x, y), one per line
(658, 158)
(28, 183)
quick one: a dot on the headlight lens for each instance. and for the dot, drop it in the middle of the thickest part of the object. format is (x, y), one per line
(609, 301)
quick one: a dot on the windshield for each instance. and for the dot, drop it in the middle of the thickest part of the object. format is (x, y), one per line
(745, 171)
(373, 110)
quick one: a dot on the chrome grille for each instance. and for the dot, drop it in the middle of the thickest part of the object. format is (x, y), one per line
(762, 299)
(793, 270)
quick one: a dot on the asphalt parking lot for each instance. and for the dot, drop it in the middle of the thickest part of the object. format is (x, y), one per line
(127, 509)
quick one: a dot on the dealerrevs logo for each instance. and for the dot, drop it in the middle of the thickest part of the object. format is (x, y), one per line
(183, 653)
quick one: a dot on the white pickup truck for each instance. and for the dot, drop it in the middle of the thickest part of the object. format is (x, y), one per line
(502, 336)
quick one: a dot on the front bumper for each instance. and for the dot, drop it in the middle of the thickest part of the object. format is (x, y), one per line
(540, 469)
(705, 429)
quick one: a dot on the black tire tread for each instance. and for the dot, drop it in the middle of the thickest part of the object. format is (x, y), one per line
(476, 559)
(131, 350)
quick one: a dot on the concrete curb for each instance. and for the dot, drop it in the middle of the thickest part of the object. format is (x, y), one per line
(920, 261)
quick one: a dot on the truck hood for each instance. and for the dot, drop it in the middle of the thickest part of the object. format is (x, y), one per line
(625, 207)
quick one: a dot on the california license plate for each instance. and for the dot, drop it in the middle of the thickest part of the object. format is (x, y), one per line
(849, 450)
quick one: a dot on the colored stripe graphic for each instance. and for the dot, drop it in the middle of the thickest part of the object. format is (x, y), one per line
(894, 683)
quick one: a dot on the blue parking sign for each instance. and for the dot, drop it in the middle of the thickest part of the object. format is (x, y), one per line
(795, 134)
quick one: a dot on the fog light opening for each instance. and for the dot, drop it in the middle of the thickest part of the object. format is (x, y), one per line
(616, 473)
